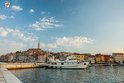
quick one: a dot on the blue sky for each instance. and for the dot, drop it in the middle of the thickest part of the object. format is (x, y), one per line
(85, 26)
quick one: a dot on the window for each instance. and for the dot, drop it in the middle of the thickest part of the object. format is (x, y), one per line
(62, 63)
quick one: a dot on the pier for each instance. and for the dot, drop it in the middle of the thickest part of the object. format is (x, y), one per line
(7, 77)
(22, 65)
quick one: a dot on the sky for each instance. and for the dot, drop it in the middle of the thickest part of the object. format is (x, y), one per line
(85, 26)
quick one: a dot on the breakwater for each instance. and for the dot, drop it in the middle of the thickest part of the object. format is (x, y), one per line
(22, 65)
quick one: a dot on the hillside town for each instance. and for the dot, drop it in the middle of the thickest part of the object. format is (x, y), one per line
(38, 55)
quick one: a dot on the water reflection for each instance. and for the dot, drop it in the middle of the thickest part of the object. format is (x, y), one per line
(98, 74)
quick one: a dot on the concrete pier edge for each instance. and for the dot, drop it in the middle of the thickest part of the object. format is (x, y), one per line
(8, 76)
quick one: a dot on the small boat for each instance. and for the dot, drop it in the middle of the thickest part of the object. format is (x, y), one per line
(69, 63)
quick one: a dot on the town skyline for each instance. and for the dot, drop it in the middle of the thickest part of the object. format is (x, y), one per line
(74, 26)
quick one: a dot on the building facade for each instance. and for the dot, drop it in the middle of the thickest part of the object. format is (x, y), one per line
(118, 57)
(102, 58)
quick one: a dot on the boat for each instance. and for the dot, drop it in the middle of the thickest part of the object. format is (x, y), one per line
(69, 63)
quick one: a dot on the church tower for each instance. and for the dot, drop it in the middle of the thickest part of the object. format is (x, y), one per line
(38, 45)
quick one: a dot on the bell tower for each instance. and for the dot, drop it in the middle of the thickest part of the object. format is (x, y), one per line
(38, 45)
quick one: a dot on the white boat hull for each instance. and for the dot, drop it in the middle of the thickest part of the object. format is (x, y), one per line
(75, 65)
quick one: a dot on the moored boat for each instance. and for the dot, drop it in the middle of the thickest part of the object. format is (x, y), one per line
(69, 63)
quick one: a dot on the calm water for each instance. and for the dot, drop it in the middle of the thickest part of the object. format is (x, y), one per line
(98, 74)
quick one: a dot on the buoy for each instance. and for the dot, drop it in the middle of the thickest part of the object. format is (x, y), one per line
(7, 4)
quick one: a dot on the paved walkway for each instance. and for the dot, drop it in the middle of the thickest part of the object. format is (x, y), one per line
(7, 77)
(2, 80)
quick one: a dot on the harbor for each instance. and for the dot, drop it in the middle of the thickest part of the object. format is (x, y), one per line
(7, 77)
(94, 74)
(61, 41)
(18, 73)
(28, 73)
(35, 61)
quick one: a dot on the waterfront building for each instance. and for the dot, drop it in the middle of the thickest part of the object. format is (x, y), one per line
(11, 56)
(32, 51)
(18, 53)
(8, 57)
(91, 59)
(42, 56)
(111, 59)
(118, 57)
(38, 54)
(80, 57)
(102, 58)
(2, 58)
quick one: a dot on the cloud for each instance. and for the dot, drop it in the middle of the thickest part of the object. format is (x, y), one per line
(11, 17)
(115, 50)
(43, 45)
(31, 11)
(45, 23)
(43, 12)
(51, 46)
(71, 42)
(17, 34)
(10, 46)
(3, 17)
(3, 32)
(20, 35)
(16, 8)
(15, 39)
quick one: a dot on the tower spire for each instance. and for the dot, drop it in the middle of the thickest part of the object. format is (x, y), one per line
(38, 46)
